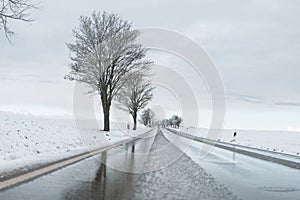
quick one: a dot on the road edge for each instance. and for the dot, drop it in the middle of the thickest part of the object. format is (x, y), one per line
(36, 172)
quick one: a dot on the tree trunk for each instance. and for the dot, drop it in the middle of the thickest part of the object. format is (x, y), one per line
(106, 119)
(134, 116)
(106, 108)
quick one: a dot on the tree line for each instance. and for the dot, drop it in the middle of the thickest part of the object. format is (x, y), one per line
(107, 58)
(149, 119)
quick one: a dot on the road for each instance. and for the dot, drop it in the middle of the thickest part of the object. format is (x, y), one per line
(248, 177)
(221, 175)
(88, 179)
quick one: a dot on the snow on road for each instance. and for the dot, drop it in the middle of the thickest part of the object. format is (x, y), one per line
(27, 141)
(183, 179)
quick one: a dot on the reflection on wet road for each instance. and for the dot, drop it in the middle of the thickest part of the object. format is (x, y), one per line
(92, 179)
(89, 179)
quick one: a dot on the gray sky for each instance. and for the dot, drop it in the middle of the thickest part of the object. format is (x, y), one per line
(255, 45)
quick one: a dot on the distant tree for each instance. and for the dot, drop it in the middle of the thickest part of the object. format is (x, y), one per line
(170, 122)
(148, 117)
(157, 122)
(105, 52)
(135, 95)
(14, 10)
(144, 118)
(175, 121)
(165, 123)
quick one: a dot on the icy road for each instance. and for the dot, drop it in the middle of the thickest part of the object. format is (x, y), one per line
(220, 175)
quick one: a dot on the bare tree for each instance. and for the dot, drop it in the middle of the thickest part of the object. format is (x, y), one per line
(147, 117)
(14, 10)
(175, 121)
(165, 123)
(136, 94)
(104, 53)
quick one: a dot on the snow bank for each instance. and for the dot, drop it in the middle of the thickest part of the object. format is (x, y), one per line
(28, 140)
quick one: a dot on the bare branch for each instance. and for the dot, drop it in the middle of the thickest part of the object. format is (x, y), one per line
(14, 10)
(135, 95)
(105, 52)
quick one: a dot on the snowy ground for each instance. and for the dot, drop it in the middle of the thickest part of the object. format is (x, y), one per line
(27, 141)
(182, 179)
(279, 141)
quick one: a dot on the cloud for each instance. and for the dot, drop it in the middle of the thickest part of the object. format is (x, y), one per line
(297, 104)
(245, 98)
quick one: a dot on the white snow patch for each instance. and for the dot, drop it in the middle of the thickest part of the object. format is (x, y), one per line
(28, 140)
(276, 141)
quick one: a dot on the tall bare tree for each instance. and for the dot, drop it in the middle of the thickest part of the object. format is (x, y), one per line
(104, 53)
(14, 10)
(136, 94)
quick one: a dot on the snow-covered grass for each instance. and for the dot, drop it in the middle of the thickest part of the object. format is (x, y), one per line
(29, 140)
(279, 141)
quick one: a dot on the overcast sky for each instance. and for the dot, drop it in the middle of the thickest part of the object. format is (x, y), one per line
(255, 45)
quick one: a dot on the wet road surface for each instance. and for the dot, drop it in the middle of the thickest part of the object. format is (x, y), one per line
(91, 179)
(247, 177)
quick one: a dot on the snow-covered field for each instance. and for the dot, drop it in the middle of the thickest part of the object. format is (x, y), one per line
(28, 140)
(279, 141)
